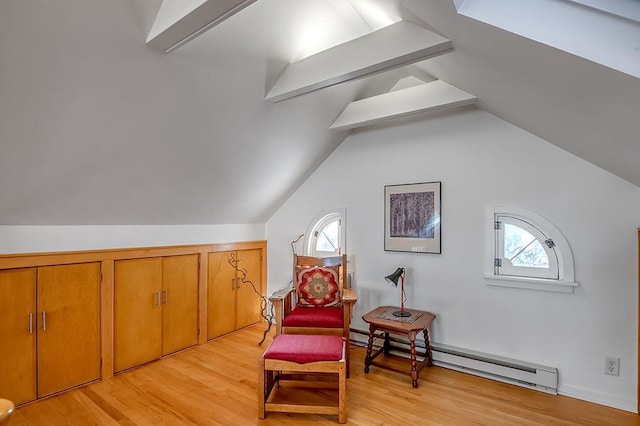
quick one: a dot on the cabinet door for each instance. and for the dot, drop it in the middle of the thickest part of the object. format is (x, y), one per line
(68, 326)
(247, 300)
(221, 301)
(180, 302)
(18, 335)
(138, 312)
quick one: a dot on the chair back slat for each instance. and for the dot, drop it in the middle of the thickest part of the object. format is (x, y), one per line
(311, 261)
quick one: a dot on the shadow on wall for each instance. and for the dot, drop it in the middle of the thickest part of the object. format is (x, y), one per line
(369, 298)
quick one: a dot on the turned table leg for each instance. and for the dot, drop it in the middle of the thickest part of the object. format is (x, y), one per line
(414, 363)
(387, 344)
(428, 347)
(367, 358)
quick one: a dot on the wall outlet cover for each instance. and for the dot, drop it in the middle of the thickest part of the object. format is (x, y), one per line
(612, 366)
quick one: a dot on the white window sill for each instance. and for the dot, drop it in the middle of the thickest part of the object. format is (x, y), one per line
(543, 284)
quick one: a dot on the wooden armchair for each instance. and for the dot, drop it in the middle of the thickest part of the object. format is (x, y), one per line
(313, 305)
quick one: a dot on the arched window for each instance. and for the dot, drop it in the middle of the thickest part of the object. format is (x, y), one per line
(523, 250)
(326, 234)
(528, 251)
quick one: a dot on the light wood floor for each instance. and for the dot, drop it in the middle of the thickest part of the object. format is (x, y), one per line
(215, 384)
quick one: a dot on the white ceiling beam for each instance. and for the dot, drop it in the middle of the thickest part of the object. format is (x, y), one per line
(180, 21)
(396, 45)
(432, 96)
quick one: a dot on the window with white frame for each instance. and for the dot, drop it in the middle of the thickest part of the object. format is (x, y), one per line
(527, 251)
(326, 234)
(523, 250)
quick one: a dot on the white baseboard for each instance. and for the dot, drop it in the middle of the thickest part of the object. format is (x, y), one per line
(626, 404)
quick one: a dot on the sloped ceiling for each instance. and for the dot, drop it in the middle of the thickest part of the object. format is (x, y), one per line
(582, 107)
(98, 128)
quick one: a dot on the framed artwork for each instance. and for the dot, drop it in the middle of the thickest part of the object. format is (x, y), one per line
(412, 217)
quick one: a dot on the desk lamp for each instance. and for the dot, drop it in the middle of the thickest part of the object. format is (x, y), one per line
(393, 279)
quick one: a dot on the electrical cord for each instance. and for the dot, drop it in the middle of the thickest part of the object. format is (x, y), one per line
(266, 308)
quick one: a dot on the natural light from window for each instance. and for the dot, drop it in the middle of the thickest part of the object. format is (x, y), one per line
(602, 31)
(325, 235)
(527, 251)
(522, 248)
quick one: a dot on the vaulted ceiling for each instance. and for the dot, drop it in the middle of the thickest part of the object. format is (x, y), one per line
(97, 127)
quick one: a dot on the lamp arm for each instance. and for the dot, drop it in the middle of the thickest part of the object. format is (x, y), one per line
(402, 295)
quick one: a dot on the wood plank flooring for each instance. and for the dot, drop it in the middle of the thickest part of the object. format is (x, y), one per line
(215, 384)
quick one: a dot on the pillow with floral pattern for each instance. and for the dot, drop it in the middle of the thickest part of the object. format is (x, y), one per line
(318, 286)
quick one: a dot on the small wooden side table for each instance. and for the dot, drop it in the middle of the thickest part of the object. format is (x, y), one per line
(382, 319)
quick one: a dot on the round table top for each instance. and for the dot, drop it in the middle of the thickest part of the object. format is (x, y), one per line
(6, 408)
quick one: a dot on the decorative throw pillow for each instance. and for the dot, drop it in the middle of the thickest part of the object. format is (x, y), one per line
(318, 286)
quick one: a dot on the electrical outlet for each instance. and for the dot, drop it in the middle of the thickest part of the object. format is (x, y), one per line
(612, 366)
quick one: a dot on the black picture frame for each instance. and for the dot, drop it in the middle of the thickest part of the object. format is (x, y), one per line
(412, 215)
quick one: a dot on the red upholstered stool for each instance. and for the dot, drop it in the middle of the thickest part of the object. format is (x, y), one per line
(302, 354)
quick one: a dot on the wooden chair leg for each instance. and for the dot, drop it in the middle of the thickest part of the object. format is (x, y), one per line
(347, 356)
(279, 315)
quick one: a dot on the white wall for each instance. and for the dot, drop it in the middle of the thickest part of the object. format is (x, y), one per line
(33, 239)
(482, 160)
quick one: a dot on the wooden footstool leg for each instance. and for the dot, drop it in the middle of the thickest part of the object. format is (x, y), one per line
(262, 388)
(342, 394)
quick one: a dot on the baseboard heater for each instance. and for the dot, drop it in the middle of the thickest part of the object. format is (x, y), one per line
(507, 370)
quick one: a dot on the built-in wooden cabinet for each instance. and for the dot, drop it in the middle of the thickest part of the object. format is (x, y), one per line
(156, 308)
(180, 303)
(18, 335)
(232, 303)
(49, 329)
(70, 318)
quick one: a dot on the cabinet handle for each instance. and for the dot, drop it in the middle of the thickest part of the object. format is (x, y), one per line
(44, 321)
(158, 301)
(165, 296)
(235, 283)
(30, 322)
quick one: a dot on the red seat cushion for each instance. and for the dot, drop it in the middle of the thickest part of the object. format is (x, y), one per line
(304, 348)
(303, 316)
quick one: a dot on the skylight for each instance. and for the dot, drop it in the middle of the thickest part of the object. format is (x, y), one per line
(629, 9)
(603, 31)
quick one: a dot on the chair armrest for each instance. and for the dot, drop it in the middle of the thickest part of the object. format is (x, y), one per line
(280, 294)
(282, 303)
(349, 298)
(349, 295)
